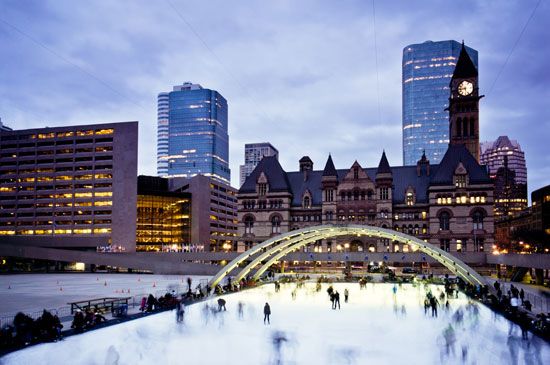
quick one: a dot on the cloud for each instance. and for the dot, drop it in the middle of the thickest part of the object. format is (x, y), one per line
(301, 75)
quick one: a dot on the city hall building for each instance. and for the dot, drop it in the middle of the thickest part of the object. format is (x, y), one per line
(449, 204)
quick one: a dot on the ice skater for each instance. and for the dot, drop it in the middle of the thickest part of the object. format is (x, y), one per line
(336, 299)
(346, 295)
(278, 338)
(240, 309)
(221, 305)
(434, 303)
(180, 310)
(267, 313)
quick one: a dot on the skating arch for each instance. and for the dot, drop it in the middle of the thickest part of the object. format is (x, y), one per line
(273, 249)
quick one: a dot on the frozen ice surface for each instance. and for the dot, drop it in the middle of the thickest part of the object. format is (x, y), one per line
(375, 327)
(34, 292)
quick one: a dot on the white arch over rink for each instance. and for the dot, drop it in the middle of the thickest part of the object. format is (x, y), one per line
(277, 247)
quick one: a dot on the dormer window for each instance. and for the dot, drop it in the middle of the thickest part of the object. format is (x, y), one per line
(307, 202)
(410, 197)
(460, 176)
(262, 189)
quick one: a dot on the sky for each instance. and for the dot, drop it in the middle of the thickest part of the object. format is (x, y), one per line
(311, 77)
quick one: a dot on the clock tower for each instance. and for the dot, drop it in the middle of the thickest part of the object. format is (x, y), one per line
(464, 105)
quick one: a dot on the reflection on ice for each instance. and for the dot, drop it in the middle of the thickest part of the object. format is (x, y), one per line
(380, 323)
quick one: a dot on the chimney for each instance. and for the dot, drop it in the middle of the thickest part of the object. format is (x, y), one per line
(306, 165)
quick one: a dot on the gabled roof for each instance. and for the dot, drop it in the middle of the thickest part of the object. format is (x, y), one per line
(383, 166)
(464, 67)
(329, 169)
(455, 155)
(276, 176)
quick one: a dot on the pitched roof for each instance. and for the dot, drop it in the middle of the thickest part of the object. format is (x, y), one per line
(383, 166)
(329, 169)
(276, 176)
(464, 67)
(455, 155)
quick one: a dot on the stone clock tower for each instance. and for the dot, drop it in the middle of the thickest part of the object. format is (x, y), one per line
(464, 105)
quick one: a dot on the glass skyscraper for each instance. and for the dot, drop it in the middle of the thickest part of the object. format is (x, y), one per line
(192, 133)
(427, 71)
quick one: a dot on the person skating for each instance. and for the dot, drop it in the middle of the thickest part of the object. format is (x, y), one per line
(267, 312)
(336, 299)
(221, 305)
(346, 295)
(180, 310)
(434, 303)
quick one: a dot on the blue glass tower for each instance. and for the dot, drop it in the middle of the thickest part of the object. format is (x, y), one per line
(192, 133)
(427, 71)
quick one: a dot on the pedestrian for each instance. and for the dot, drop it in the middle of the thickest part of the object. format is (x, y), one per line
(78, 321)
(267, 312)
(346, 295)
(336, 299)
(143, 304)
(221, 305)
(150, 302)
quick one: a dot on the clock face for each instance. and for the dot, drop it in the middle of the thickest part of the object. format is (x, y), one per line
(465, 88)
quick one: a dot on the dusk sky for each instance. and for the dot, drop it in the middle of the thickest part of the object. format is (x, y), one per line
(299, 74)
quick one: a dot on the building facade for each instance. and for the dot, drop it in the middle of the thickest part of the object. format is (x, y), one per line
(213, 212)
(506, 163)
(192, 135)
(427, 69)
(70, 187)
(448, 205)
(540, 199)
(253, 154)
(163, 216)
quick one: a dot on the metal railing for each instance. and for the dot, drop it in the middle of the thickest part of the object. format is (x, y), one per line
(539, 303)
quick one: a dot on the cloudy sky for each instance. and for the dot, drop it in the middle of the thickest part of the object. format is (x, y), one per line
(299, 74)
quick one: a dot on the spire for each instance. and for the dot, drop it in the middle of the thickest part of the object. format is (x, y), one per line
(464, 66)
(383, 166)
(329, 169)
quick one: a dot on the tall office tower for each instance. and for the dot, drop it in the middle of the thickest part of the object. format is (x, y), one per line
(4, 127)
(253, 154)
(192, 133)
(506, 163)
(427, 71)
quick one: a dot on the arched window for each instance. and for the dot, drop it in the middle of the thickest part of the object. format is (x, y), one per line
(465, 127)
(343, 196)
(369, 194)
(416, 230)
(459, 127)
(349, 195)
(444, 221)
(472, 129)
(276, 224)
(249, 224)
(307, 202)
(477, 218)
(356, 195)
(328, 216)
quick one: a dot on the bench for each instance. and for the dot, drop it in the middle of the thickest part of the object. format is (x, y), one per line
(101, 304)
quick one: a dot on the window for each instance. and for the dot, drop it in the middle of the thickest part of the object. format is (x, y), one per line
(356, 172)
(460, 181)
(262, 189)
(307, 202)
(329, 216)
(410, 198)
(384, 195)
(478, 244)
(369, 195)
(329, 195)
(249, 225)
(477, 218)
(276, 224)
(444, 221)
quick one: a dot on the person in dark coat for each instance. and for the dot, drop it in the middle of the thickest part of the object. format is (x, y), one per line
(150, 302)
(336, 299)
(267, 312)
(221, 305)
(78, 321)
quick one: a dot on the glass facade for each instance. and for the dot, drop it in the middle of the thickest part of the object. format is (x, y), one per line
(427, 71)
(163, 222)
(192, 133)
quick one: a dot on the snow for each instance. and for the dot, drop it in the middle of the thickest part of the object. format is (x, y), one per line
(372, 328)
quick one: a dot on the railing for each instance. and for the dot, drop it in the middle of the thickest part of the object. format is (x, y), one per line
(102, 303)
(538, 302)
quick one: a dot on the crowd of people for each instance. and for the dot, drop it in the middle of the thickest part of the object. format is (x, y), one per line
(25, 330)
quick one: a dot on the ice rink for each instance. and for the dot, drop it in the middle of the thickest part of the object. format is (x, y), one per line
(34, 292)
(375, 327)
